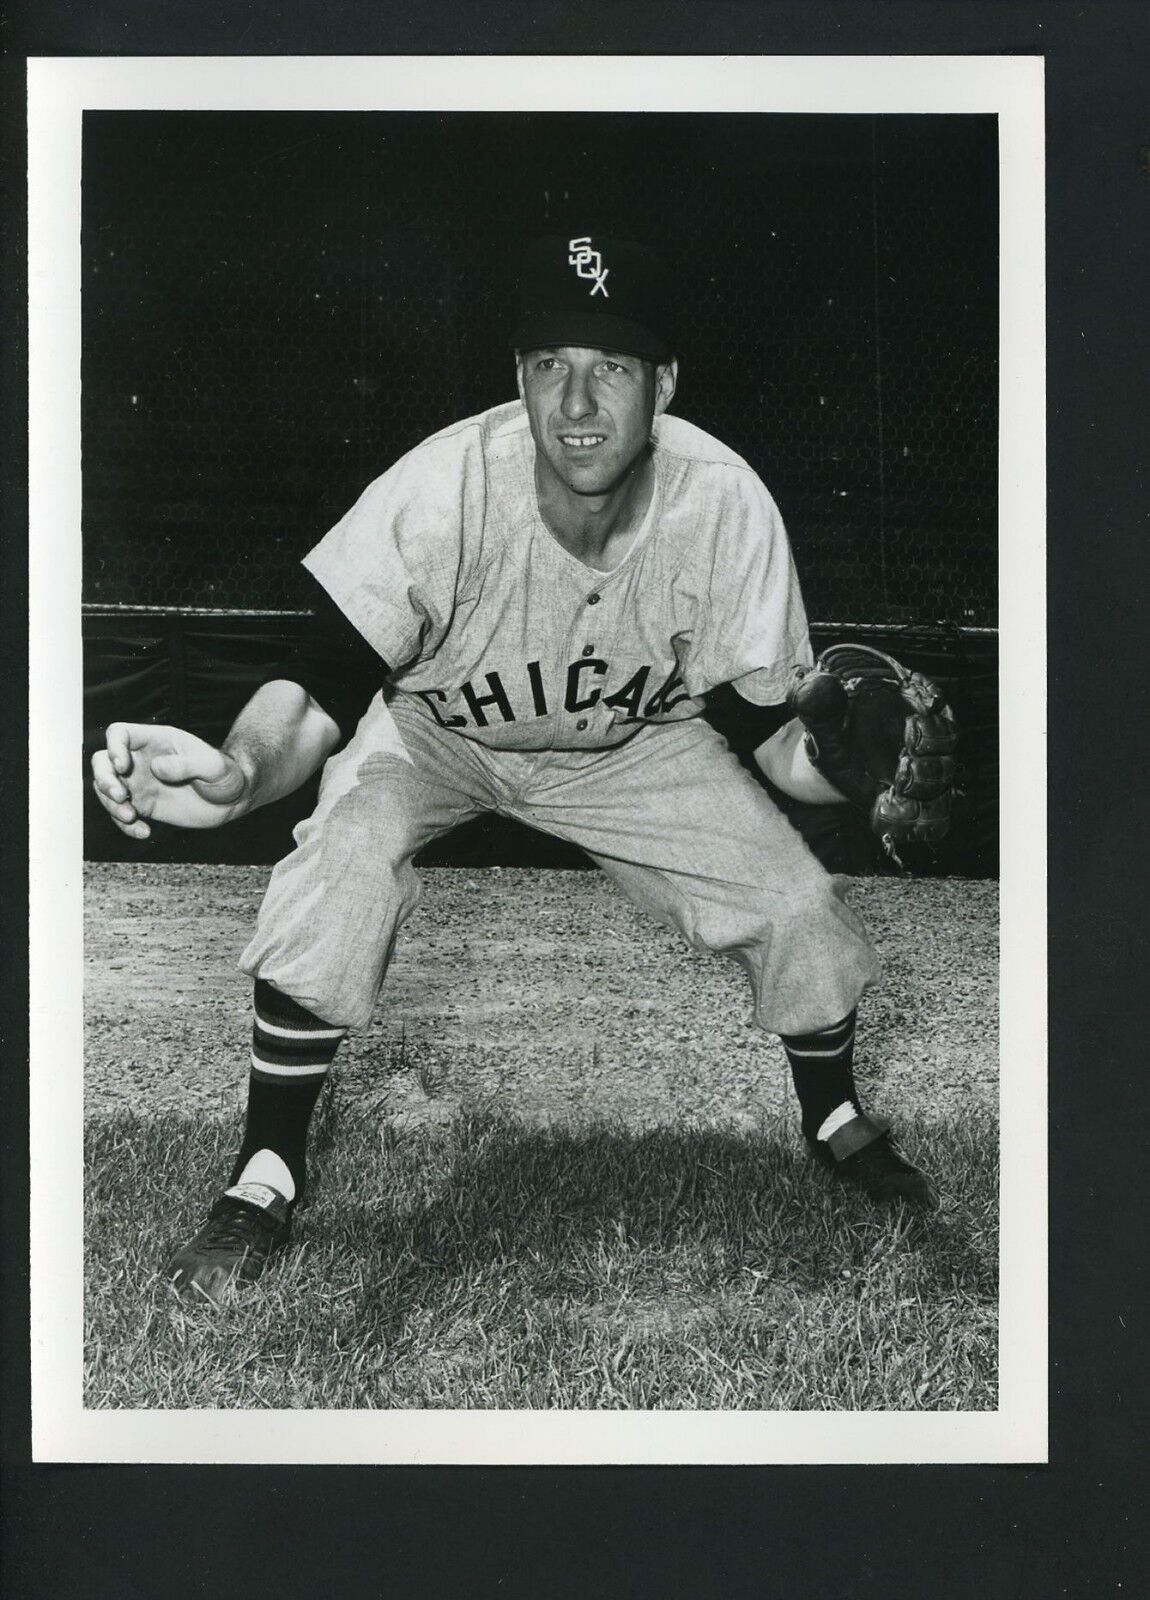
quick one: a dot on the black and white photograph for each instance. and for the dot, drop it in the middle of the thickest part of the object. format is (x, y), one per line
(551, 582)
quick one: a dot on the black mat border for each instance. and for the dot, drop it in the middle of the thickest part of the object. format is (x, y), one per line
(1075, 1527)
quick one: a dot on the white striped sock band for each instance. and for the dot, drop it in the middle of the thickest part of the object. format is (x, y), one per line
(263, 1067)
(278, 1032)
(287, 1042)
(823, 1046)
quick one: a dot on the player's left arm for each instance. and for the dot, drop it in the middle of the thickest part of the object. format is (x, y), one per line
(784, 761)
(772, 737)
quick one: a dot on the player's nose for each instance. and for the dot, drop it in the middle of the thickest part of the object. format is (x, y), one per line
(578, 399)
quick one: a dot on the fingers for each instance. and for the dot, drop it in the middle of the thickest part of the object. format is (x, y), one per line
(114, 798)
(105, 778)
(110, 791)
(145, 772)
(134, 830)
(118, 740)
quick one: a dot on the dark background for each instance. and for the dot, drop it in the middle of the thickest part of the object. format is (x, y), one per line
(1076, 1528)
(278, 305)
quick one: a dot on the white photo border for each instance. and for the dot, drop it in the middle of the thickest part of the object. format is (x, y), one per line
(59, 91)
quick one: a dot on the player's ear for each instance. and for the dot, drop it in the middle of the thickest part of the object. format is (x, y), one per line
(666, 377)
(519, 374)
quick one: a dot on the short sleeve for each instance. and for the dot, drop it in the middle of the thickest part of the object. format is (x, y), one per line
(394, 564)
(755, 624)
(335, 664)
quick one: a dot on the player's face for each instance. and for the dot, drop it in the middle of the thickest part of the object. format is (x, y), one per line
(591, 412)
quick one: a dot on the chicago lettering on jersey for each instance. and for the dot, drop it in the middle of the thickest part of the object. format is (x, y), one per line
(501, 696)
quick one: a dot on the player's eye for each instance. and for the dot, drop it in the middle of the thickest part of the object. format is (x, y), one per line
(613, 366)
(547, 364)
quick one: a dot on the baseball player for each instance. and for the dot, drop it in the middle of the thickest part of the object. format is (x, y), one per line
(525, 614)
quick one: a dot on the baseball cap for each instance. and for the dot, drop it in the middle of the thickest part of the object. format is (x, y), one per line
(592, 289)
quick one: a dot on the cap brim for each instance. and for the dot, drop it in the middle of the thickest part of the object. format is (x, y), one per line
(596, 330)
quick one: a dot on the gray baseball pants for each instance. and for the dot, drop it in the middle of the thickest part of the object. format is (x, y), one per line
(671, 816)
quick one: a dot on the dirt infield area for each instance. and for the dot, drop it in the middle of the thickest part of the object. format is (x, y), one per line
(541, 994)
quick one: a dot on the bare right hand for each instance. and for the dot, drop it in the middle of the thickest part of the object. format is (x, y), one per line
(147, 773)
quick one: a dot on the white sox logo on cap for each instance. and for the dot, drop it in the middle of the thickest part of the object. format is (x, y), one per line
(588, 263)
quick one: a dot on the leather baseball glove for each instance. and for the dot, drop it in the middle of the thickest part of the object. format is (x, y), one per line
(883, 736)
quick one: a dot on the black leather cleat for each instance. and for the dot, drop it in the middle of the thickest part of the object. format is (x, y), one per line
(861, 1153)
(247, 1224)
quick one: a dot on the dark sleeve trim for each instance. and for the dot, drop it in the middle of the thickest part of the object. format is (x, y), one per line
(744, 726)
(335, 664)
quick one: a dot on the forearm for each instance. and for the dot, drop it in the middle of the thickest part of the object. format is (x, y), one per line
(278, 740)
(783, 759)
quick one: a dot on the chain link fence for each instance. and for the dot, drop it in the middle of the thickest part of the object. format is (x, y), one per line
(276, 305)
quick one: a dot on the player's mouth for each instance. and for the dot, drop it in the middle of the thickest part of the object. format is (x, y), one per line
(582, 441)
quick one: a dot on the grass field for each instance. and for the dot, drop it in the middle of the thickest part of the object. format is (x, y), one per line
(482, 1263)
(559, 1170)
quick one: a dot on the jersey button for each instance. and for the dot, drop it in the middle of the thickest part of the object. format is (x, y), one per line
(592, 599)
(588, 649)
(581, 725)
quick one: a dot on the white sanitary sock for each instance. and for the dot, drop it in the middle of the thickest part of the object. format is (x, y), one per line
(838, 1118)
(266, 1167)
